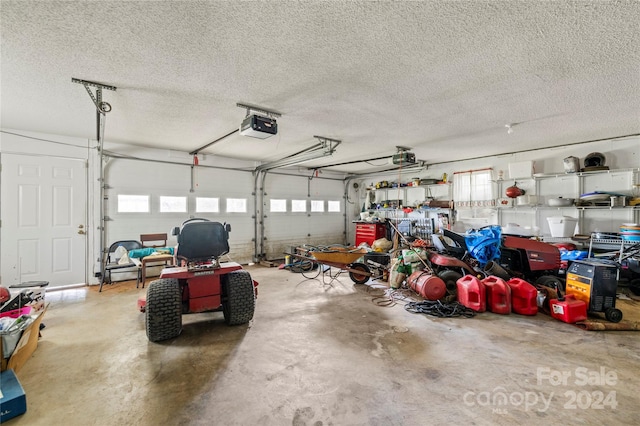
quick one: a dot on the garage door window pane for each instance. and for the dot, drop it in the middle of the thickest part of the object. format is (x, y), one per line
(298, 205)
(278, 205)
(173, 204)
(317, 205)
(133, 203)
(207, 205)
(333, 206)
(236, 205)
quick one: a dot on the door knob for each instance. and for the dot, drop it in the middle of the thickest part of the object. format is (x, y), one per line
(81, 232)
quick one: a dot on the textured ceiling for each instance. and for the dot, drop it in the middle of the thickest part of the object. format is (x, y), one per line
(440, 77)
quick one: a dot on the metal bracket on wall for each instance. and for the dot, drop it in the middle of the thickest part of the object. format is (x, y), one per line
(102, 107)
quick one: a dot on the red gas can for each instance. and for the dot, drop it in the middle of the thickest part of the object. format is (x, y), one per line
(568, 309)
(498, 295)
(523, 297)
(471, 293)
(426, 285)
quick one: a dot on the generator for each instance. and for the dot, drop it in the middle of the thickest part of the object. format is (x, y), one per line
(595, 281)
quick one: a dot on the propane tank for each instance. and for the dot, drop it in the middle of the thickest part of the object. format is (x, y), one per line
(426, 285)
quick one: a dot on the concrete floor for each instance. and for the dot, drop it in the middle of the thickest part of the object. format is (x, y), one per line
(322, 355)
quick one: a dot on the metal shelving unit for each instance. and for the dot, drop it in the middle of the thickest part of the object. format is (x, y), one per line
(572, 185)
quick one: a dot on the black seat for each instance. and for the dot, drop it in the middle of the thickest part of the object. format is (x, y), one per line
(202, 240)
(111, 263)
(459, 247)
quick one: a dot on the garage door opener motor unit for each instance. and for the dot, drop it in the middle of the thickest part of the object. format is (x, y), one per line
(404, 158)
(258, 127)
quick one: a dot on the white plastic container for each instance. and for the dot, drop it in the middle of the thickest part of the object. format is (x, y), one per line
(562, 226)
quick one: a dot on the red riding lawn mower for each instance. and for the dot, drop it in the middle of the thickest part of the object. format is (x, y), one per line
(534, 261)
(199, 284)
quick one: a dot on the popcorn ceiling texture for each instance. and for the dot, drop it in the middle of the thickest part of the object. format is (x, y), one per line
(441, 77)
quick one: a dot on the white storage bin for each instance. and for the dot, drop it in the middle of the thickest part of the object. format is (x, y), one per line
(562, 226)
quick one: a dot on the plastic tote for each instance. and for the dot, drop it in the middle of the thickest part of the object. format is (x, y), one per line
(11, 331)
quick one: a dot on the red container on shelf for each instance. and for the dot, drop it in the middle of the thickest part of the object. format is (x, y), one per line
(568, 309)
(498, 295)
(523, 297)
(472, 293)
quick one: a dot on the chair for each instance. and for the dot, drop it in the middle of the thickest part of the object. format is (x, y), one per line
(111, 263)
(153, 241)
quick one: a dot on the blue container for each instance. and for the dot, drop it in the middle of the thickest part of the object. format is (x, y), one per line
(13, 401)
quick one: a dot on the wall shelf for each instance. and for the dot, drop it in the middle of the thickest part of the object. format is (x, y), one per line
(572, 185)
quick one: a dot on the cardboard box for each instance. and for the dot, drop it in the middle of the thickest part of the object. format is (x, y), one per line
(13, 401)
(26, 346)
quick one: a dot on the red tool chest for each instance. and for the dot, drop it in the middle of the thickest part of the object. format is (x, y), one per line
(369, 232)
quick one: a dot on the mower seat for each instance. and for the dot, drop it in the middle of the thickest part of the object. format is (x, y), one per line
(449, 242)
(202, 241)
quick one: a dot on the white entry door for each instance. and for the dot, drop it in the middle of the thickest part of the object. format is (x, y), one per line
(43, 220)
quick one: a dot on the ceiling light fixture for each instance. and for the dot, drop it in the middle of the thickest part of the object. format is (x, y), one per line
(509, 127)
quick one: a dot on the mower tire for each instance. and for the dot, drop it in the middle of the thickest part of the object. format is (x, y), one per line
(359, 278)
(551, 282)
(450, 279)
(238, 298)
(613, 314)
(163, 312)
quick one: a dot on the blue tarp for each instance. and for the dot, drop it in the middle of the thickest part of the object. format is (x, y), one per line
(484, 244)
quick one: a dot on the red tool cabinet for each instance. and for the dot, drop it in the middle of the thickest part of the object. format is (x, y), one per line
(369, 232)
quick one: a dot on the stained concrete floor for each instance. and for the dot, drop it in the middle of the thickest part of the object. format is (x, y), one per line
(319, 354)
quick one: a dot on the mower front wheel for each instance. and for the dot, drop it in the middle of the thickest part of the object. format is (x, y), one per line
(163, 312)
(238, 298)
